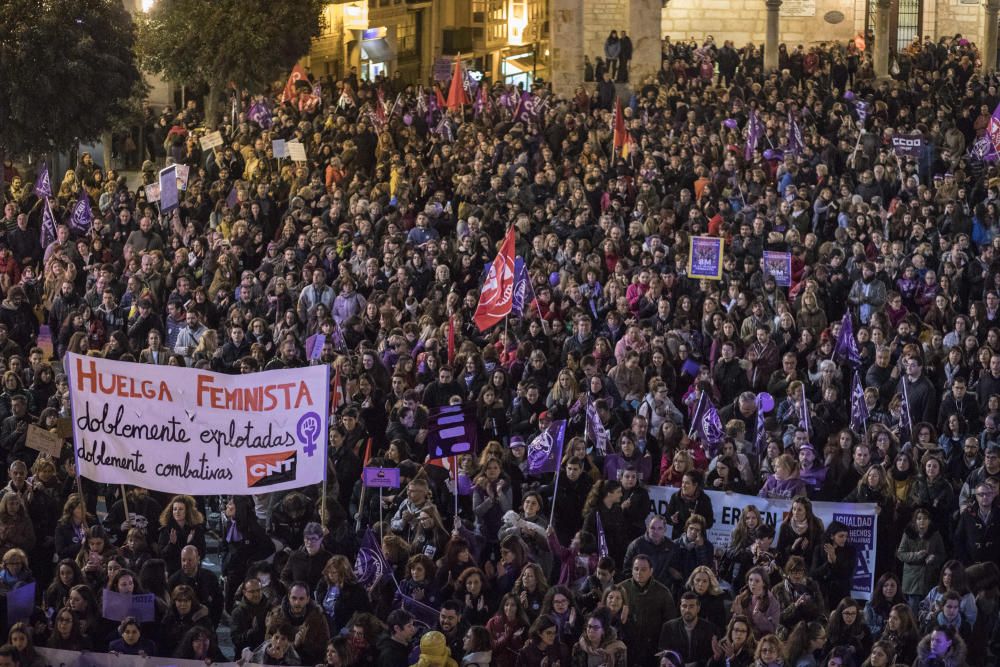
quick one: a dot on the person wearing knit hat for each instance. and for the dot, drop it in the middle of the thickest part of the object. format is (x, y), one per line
(434, 651)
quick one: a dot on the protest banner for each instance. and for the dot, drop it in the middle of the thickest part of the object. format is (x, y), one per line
(164, 427)
(43, 441)
(211, 140)
(705, 258)
(280, 148)
(908, 145)
(779, 266)
(296, 151)
(116, 606)
(52, 657)
(727, 508)
(381, 478)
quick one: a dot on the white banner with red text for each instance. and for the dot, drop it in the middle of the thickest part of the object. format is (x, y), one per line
(182, 430)
(860, 518)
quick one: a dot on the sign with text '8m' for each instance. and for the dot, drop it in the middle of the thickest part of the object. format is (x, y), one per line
(181, 430)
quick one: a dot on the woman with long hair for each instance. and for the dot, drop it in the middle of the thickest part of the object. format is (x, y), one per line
(770, 652)
(543, 646)
(847, 628)
(758, 604)
(21, 637)
(953, 579)
(803, 644)
(711, 597)
(604, 501)
(181, 524)
(508, 628)
(66, 633)
(901, 630)
(922, 552)
(887, 594)
(736, 648)
(339, 594)
(800, 532)
(599, 642)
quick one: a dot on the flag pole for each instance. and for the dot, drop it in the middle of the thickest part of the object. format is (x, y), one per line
(555, 494)
(381, 528)
(697, 410)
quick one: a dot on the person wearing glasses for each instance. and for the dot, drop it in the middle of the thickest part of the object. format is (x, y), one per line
(977, 535)
(249, 616)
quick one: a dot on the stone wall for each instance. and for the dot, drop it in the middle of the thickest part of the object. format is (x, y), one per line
(745, 20)
(948, 17)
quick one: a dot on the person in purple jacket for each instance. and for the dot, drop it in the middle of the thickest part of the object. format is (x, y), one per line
(785, 482)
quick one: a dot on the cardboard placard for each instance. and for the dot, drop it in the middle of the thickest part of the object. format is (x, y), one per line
(45, 442)
(64, 427)
(296, 151)
(211, 140)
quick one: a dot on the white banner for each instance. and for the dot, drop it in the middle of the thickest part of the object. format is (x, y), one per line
(58, 658)
(727, 507)
(181, 430)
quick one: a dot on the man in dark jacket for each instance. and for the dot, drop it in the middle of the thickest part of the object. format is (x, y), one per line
(920, 393)
(690, 635)
(249, 616)
(655, 546)
(729, 375)
(573, 489)
(394, 646)
(977, 536)
(650, 605)
(440, 391)
(307, 618)
(22, 325)
(205, 584)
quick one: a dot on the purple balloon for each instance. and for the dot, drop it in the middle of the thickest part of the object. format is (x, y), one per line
(849, 95)
(730, 123)
(554, 278)
(769, 154)
(407, 119)
(765, 402)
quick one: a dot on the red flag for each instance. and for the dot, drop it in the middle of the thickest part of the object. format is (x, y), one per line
(337, 397)
(368, 452)
(456, 91)
(298, 74)
(451, 340)
(440, 97)
(497, 295)
(620, 133)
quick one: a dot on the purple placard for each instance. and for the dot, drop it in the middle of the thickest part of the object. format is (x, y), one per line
(705, 258)
(381, 478)
(908, 145)
(314, 346)
(779, 266)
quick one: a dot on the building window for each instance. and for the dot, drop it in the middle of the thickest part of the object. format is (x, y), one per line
(406, 34)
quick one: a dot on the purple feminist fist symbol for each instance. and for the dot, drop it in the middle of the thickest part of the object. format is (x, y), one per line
(308, 431)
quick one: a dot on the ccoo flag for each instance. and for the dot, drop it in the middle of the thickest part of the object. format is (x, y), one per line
(755, 130)
(497, 296)
(595, 428)
(43, 184)
(846, 348)
(795, 143)
(859, 409)
(707, 424)
(82, 216)
(993, 130)
(48, 226)
(545, 451)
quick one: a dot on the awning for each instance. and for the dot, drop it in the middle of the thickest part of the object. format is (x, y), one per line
(376, 50)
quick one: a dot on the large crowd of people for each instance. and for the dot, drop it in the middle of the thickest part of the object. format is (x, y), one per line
(379, 241)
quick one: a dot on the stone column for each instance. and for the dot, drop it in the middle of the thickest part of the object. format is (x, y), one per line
(566, 45)
(990, 35)
(644, 19)
(771, 36)
(881, 59)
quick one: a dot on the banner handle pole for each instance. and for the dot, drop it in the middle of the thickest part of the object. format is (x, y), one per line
(454, 460)
(381, 528)
(128, 518)
(322, 505)
(361, 506)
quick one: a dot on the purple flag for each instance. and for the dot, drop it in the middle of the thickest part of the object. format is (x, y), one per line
(508, 99)
(481, 104)
(233, 198)
(795, 143)
(451, 430)
(993, 130)
(545, 451)
(527, 108)
(43, 184)
(755, 130)
(602, 539)
(982, 149)
(337, 338)
(82, 216)
(846, 348)
(760, 437)
(859, 409)
(521, 286)
(432, 107)
(370, 565)
(169, 195)
(595, 428)
(707, 424)
(48, 226)
(423, 614)
(260, 113)
(862, 108)
(443, 129)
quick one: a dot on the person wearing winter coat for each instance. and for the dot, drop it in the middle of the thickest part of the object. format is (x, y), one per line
(650, 605)
(933, 491)
(941, 648)
(306, 617)
(834, 562)
(690, 500)
(245, 541)
(248, 617)
(922, 553)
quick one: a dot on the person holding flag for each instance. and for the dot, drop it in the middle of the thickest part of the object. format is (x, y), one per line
(497, 295)
(919, 397)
